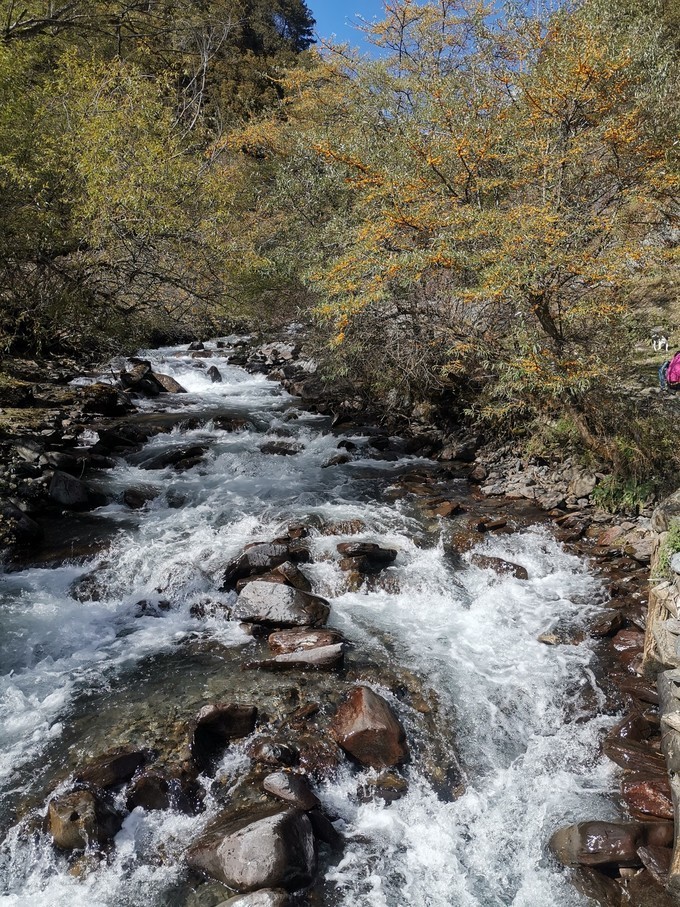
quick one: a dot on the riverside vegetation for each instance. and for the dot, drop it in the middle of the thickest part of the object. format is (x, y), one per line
(281, 634)
(479, 216)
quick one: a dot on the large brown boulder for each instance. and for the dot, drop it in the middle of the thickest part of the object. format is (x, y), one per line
(366, 727)
(280, 606)
(286, 574)
(648, 797)
(273, 851)
(80, 819)
(607, 843)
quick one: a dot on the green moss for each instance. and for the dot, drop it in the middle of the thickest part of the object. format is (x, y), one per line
(670, 547)
(615, 494)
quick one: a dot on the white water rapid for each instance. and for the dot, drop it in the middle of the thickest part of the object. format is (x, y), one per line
(74, 673)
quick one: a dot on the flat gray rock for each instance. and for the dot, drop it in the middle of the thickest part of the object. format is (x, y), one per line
(280, 606)
(265, 897)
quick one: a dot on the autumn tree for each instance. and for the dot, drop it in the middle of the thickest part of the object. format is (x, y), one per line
(501, 182)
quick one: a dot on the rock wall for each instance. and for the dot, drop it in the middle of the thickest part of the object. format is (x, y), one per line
(662, 657)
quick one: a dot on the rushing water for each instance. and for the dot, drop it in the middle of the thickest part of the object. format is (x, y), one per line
(74, 673)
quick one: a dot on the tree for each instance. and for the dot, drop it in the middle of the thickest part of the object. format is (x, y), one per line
(493, 191)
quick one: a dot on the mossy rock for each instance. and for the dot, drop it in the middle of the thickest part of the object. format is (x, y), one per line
(15, 393)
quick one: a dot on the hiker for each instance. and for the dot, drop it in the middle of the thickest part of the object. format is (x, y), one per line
(669, 373)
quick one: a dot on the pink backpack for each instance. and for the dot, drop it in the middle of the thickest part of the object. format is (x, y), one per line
(673, 372)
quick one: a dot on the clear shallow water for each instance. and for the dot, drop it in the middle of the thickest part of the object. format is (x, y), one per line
(510, 707)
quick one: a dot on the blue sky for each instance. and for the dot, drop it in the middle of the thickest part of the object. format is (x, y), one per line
(335, 17)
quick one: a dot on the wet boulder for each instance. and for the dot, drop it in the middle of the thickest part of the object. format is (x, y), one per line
(284, 642)
(370, 554)
(287, 574)
(91, 586)
(72, 493)
(648, 797)
(657, 861)
(180, 458)
(265, 897)
(113, 768)
(338, 459)
(605, 843)
(273, 851)
(214, 374)
(104, 399)
(366, 727)
(195, 346)
(294, 789)
(607, 623)
(16, 528)
(169, 384)
(153, 790)
(138, 497)
(498, 565)
(80, 819)
(213, 729)
(261, 557)
(281, 448)
(388, 787)
(321, 658)
(273, 752)
(634, 756)
(280, 606)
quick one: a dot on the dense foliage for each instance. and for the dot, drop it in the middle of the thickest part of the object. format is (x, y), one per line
(484, 204)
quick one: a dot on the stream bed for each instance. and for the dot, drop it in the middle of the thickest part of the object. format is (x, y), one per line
(504, 731)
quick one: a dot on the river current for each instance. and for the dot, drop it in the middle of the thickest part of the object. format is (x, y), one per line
(77, 675)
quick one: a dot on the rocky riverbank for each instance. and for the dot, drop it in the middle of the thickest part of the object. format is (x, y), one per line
(321, 705)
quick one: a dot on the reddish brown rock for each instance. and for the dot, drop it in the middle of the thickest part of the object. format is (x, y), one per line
(642, 890)
(598, 844)
(606, 624)
(273, 752)
(366, 727)
(286, 574)
(648, 797)
(635, 756)
(657, 861)
(633, 726)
